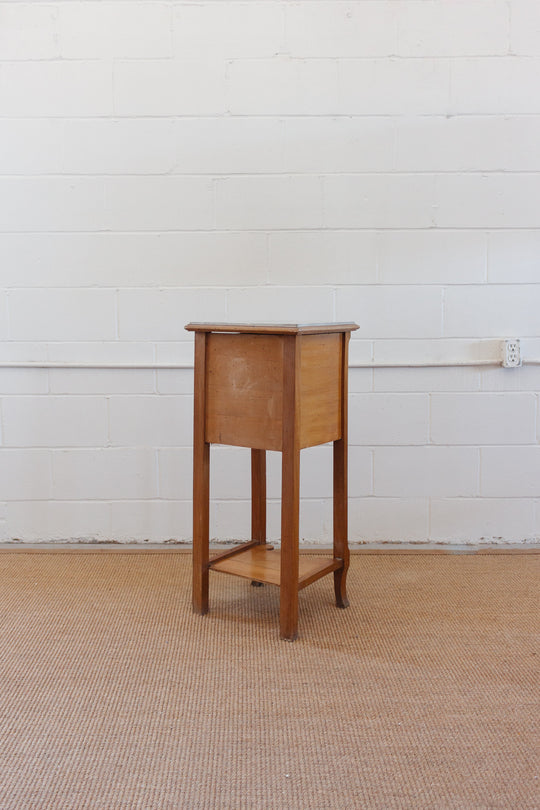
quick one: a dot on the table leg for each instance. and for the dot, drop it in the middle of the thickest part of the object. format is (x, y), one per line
(290, 490)
(258, 500)
(341, 543)
(258, 495)
(290, 508)
(341, 547)
(201, 484)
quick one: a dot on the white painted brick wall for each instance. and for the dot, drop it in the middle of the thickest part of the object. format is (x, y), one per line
(393, 86)
(105, 474)
(170, 87)
(525, 27)
(352, 255)
(272, 203)
(385, 310)
(453, 29)
(495, 85)
(158, 203)
(492, 310)
(29, 31)
(338, 30)
(366, 160)
(29, 204)
(513, 471)
(62, 314)
(388, 419)
(112, 30)
(380, 201)
(267, 304)
(477, 419)
(25, 474)
(38, 521)
(246, 145)
(143, 259)
(233, 30)
(105, 146)
(283, 86)
(514, 256)
(426, 471)
(29, 149)
(54, 421)
(55, 88)
(151, 421)
(107, 381)
(467, 144)
(432, 257)
(383, 519)
(164, 312)
(455, 519)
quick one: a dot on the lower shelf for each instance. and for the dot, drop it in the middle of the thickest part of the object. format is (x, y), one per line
(263, 564)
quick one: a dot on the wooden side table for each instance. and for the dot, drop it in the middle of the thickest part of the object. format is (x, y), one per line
(271, 387)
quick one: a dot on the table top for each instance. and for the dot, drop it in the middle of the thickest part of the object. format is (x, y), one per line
(273, 328)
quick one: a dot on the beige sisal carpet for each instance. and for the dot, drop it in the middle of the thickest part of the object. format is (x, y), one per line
(423, 694)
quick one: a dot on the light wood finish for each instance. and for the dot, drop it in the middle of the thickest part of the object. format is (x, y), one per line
(258, 495)
(290, 489)
(258, 499)
(201, 482)
(320, 389)
(273, 328)
(271, 387)
(340, 459)
(262, 563)
(244, 390)
(231, 552)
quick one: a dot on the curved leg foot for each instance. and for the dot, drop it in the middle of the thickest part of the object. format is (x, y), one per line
(340, 588)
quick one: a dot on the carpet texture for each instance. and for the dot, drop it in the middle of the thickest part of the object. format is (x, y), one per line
(423, 694)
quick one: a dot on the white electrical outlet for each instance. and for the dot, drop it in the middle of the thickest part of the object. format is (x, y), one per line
(511, 353)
